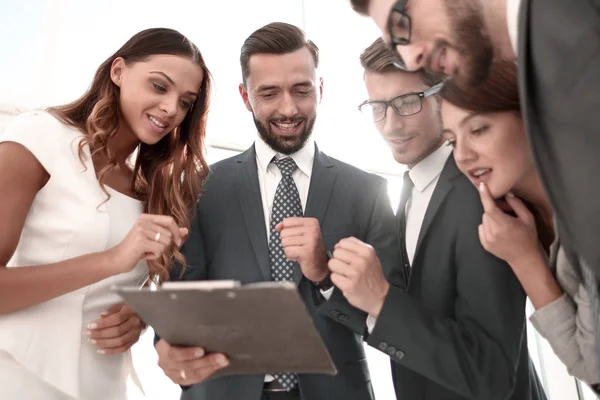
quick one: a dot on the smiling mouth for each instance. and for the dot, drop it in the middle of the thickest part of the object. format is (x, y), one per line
(157, 123)
(479, 173)
(287, 127)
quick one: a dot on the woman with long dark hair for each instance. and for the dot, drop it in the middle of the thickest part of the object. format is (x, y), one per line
(95, 193)
(485, 128)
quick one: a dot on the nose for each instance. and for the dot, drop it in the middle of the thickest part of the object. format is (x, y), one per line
(287, 106)
(393, 122)
(413, 55)
(463, 153)
(169, 105)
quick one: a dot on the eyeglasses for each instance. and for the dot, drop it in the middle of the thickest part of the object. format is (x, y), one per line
(404, 105)
(398, 26)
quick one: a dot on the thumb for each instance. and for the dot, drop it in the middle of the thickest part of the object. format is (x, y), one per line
(112, 310)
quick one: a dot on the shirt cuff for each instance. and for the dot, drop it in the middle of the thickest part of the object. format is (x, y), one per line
(327, 293)
(371, 320)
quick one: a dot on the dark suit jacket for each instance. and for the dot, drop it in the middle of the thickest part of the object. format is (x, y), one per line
(559, 77)
(228, 240)
(458, 331)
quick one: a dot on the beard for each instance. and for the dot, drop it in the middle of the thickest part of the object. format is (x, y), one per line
(473, 41)
(283, 145)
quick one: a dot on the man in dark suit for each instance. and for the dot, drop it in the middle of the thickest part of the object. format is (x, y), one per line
(557, 45)
(239, 225)
(458, 331)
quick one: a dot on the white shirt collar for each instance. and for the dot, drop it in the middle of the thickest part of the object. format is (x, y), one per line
(303, 158)
(512, 19)
(430, 167)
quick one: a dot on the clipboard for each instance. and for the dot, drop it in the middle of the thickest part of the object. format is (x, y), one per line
(261, 327)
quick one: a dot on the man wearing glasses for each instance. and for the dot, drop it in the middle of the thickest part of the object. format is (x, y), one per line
(557, 44)
(458, 331)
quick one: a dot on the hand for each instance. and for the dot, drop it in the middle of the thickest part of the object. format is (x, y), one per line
(188, 365)
(356, 271)
(302, 241)
(503, 235)
(150, 237)
(116, 331)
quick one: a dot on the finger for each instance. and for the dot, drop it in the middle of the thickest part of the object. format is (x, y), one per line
(483, 237)
(111, 343)
(345, 255)
(178, 354)
(158, 233)
(294, 241)
(168, 223)
(293, 231)
(294, 253)
(117, 350)
(354, 245)
(489, 205)
(153, 250)
(292, 222)
(188, 374)
(112, 310)
(340, 281)
(340, 268)
(115, 318)
(184, 235)
(115, 331)
(520, 209)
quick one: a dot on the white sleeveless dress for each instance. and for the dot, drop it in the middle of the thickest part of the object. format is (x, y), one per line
(43, 352)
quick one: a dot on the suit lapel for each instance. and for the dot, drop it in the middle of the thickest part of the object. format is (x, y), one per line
(249, 197)
(442, 188)
(319, 193)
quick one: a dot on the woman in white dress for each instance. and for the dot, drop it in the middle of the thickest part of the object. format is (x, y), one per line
(485, 127)
(96, 193)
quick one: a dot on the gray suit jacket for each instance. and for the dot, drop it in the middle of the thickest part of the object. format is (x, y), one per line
(559, 64)
(228, 240)
(458, 331)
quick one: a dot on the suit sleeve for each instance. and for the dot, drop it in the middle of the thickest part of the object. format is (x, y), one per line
(568, 324)
(381, 235)
(475, 353)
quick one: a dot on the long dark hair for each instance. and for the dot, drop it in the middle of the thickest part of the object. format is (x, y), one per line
(499, 93)
(168, 176)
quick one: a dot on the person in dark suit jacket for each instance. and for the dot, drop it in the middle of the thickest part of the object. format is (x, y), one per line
(232, 233)
(459, 330)
(556, 43)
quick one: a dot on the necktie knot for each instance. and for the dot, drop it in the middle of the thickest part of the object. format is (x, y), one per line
(286, 165)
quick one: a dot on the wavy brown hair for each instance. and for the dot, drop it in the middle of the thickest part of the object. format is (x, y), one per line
(167, 176)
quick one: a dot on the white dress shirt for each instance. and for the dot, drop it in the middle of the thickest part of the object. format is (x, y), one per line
(269, 174)
(512, 19)
(425, 176)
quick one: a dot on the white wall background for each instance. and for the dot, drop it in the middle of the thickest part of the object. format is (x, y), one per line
(51, 48)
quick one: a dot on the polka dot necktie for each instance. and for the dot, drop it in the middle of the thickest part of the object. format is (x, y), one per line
(285, 204)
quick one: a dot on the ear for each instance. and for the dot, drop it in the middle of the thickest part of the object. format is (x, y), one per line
(116, 70)
(245, 99)
(320, 89)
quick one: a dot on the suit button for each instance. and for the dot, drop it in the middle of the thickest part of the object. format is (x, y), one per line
(383, 346)
(399, 355)
(334, 313)
(391, 350)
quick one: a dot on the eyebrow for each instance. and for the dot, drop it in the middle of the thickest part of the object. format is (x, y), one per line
(468, 117)
(264, 88)
(172, 82)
